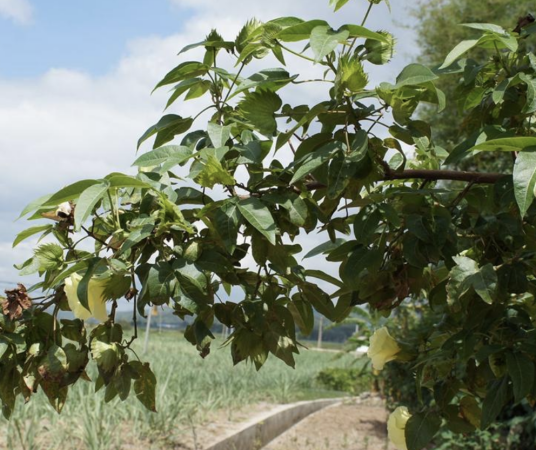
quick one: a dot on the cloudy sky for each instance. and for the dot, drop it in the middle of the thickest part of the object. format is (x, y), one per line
(76, 77)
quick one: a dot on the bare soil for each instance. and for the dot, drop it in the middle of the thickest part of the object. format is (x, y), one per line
(359, 424)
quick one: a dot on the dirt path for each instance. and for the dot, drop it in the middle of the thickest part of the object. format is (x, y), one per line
(355, 425)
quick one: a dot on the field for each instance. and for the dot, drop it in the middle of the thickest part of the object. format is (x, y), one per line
(191, 394)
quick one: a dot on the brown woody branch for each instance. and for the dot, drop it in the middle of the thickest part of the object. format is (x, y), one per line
(432, 175)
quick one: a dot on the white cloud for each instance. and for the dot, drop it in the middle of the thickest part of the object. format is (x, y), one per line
(67, 125)
(20, 11)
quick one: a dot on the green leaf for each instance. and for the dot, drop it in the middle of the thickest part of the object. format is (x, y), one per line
(324, 277)
(319, 300)
(50, 256)
(466, 275)
(214, 173)
(303, 315)
(312, 161)
(226, 219)
(218, 134)
(365, 225)
(299, 32)
(357, 31)
(259, 216)
(188, 69)
(485, 283)
(83, 286)
(177, 153)
(69, 192)
(414, 75)
(485, 27)
(458, 51)
(521, 371)
(496, 398)
(337, 4)
(35, 204)
(145, 385)
(324, 40)
(119, 180)
(513, 144)
(530, 104)
(259, 108)
(326, 247)
(360, 259)
(30, 232)
(166, 129)
(266, 80)
(421, 429)
(525, 180)
(87, 201)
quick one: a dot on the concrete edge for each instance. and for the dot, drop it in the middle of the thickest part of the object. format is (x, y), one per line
(258, 432)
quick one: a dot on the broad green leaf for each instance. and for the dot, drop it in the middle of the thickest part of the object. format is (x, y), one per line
(321, 275)
(312, 161)
(337, 4)
(136, 236)
(303, 314)
(299, 32)
(35, 204)
(145, 385)
(359, 260)
(414, 75)
(324, 40)
(496, 398)
(326, 247)
(421, 429)
(319, 300)
(194, 86)
(521, 371)
(267, 80)
(259, 108)
(365, 225)
(512, 144)
(166, 129)
(83, 286)
(485, 27)
(177, 153)
(69, 192)
(188, 69)
(357, 31)
(466, 275)
(50, 256)
(87, 201)
(530, 104)
(119, 180)
(259, 216)
(485, 283)
(458, 51)
(218, 134)
(226, 220)
(214, 173)
(30, 232)
(525, 180)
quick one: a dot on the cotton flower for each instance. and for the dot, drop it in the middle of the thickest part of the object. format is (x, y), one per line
(96, 299)
(382, 349)
(396, 426)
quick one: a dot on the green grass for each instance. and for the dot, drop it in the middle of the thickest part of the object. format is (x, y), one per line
(189, 391)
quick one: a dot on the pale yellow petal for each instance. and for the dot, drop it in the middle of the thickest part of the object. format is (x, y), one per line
(71, 287)
(396, 426)
(96, 300)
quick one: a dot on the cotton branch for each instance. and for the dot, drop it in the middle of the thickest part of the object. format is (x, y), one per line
(431, 175)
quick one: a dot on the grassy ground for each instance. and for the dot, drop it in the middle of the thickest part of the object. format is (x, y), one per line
(190, 392)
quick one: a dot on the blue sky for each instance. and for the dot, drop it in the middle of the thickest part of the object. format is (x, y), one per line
(76, 77)
(89, 36)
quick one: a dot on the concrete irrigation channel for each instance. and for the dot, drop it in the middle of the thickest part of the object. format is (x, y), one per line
(261, 430)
